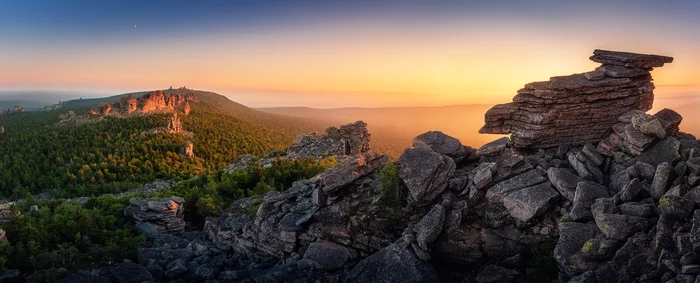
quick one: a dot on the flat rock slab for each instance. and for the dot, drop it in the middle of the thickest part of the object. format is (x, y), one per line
(526, 203)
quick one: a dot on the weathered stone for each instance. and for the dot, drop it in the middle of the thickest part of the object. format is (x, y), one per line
(176, 268)
(349, 170)
(665, 150)
(494, 147)
(578, 108)
(530, 178)
(572, 237)
(349, 139)
(662, 180)
(631, 190)
(328, 255)
(484, 174)
(637, 209)
(565, 181)
(586, 194)
(157, 216)
(425, 173)
(442, 144)
(526, 203)
(675, 205)
(395, 263)
(620, 227)
(430, 226)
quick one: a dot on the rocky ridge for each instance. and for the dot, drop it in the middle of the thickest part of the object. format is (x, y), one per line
(579, 107)
(623, 209)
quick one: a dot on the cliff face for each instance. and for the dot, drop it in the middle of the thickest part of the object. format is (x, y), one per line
(156, 101)
(577, 108)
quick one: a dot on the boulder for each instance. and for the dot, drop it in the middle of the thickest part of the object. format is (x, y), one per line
(395, 263)
(619, 226)
(349, 170)
(442, 144)
(565, 181)
(329, 255)
(484, 174)
(586, 194)
(425, 173)
(430, 226)
(493, 148)
(157, 216)
(662, 180)
(526, 203)
(567, 253)
(349, 139)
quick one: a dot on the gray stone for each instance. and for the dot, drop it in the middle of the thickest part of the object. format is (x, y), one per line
(329, 255)
(564, 180)
(662, 180)
(493, 148)
(620, 227)
(526, 203)
(425, 173)
(572, 237)
(592, 154)
(156, 216)
(631, 190)
(484, 174)
(579, 166)
(665, 150)
(691, 269)
(395, 263)
(442, 144)
(675, 205)
(349, 170)
(586, 194)
(530, 178)
(430, 226)
(646, 171)
(637, 209)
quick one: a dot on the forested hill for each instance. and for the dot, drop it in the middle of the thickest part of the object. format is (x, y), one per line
(116, 154)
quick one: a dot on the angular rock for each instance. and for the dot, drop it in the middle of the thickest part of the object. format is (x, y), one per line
(425, 173)
(157, 216)
(565, 181)
(631, 190)
(484, 174)
(677, 206)
(567, 253)
(442, 144)
(395, 263)
(620, 227)
(526, 203)
(586, 194)
(530, 178)
(493, 148)
(329, 255)
(349, 139)
(349, 170)
(662, 180)
(430, 226)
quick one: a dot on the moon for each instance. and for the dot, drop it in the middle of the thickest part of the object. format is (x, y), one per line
(134, 26)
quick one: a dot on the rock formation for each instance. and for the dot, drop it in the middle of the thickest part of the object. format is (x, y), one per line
(17, 109)
(2, 129)
(188, 149)
(347, 140)
(6, 211)
(158, 216)
(577, 108)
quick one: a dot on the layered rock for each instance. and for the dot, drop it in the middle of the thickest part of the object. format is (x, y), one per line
(348, 139)
(577, 108)
(157, 216)
(188, 149)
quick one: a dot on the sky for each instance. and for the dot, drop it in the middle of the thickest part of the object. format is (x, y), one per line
(323, 53)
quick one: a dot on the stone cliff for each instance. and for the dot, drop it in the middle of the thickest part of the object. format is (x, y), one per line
(577, 108)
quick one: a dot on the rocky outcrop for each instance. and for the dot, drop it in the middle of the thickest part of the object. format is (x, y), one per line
(157, 216)
(2, 130)
(577, 108)
(346, 140)
(188, 149)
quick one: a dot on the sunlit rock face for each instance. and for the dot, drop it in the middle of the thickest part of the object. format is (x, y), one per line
(577, 108)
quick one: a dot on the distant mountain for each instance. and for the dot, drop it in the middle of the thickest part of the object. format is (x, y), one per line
(36, 100)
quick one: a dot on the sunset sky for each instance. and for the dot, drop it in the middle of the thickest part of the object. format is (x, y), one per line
(334, 53)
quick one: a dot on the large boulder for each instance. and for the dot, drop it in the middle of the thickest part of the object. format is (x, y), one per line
(395, 263)
(329, 255)
(349, 139)
(350, 170)
(157, 216)
(425, 172)
(586, 194)
(567, 253)
(565, 181)
(430, 226)
(442, 144)
(526, 203)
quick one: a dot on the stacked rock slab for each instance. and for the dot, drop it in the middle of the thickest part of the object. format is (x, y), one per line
(577, 108)
(157, 216)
